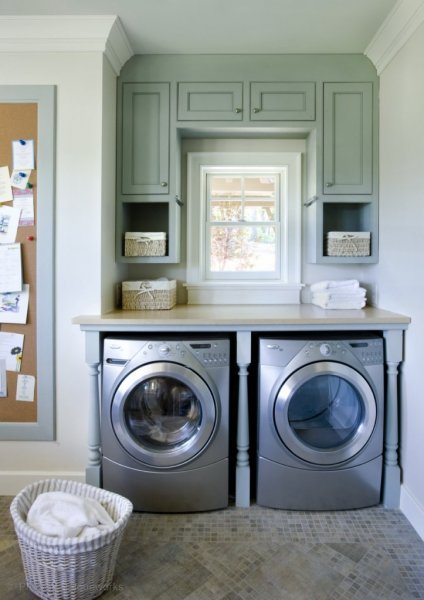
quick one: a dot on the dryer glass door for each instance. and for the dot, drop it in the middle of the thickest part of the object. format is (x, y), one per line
(163, 414)
(325, 412)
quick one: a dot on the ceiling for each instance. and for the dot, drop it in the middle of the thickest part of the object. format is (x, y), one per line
(229, 26)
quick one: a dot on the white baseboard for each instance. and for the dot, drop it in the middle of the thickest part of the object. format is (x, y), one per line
(413, 510)
(13, 482)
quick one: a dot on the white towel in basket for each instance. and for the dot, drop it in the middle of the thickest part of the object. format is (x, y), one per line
(65, 515)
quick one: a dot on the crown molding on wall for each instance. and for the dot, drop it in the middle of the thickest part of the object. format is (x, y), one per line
(118, 48)
(68, 33)
(400, 24)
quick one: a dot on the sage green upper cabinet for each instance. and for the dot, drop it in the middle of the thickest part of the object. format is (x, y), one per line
(210, 101)
(145, 138)
(146, 194)
(348, 138)
(282, 101)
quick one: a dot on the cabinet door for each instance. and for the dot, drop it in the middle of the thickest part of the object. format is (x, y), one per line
(145, 138)
(282, 101)
(210, 101)
(347, 151)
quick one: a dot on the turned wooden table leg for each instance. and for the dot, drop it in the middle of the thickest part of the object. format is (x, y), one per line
(391, 474)
(242, 464)
(93, 469)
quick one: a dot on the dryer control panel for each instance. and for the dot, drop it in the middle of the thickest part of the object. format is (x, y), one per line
(368, 351)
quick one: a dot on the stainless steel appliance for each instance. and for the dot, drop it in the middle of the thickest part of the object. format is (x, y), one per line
(165, 422)
(320, 422)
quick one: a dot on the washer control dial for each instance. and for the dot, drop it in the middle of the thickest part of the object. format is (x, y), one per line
(325, 349)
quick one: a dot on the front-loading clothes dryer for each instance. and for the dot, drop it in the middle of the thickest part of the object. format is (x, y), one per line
(165, 422)
(320, 422)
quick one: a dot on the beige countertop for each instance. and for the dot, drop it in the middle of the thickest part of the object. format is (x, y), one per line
(245, 316)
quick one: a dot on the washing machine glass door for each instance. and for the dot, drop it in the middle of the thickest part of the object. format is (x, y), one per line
(164, 414)
(325, 412)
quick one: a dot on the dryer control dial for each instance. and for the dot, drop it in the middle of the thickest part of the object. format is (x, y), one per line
(164, 349)
(325, 349)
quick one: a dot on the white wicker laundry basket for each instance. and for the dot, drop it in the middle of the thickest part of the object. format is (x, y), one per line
(71, 568)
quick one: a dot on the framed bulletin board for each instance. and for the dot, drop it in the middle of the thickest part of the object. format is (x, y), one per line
(27, 403)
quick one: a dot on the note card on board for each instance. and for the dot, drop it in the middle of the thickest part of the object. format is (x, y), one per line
(11, 346)
(3, 378)
(23, 154)
(14, 306)
(5, 187)
(10, 268)
(25, 388)
(9, 221)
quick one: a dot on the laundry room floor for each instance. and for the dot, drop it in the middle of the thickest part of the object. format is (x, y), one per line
(252, 554)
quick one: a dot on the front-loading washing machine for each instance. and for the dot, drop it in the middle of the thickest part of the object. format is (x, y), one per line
(320, 422)
(165, 422)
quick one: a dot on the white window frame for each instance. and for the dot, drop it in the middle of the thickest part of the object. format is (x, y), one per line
(281, 175)
(282, 288)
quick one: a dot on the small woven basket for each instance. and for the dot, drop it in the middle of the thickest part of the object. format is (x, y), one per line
(149, 294)
(145, 243)
(348, 243)
(69, 568)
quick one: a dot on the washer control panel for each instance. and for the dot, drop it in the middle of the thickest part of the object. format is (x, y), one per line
(211, 353)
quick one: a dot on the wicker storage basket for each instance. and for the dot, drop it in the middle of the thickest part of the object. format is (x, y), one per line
(145, 243)
(69, 568)
(348, 243)
(149, 294)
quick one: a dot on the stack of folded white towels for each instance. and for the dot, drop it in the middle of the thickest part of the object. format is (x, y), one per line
(345, 293)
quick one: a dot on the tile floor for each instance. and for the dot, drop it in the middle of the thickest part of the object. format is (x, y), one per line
(253, 554)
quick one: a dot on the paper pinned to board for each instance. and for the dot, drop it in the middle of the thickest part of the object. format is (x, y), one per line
(10, 268)
(14, 306)
(19, 178)
(3, 378)
(25, 387)
(5, 188)
(24, 201)
(11, 346)
(23, 154)
(9, 221)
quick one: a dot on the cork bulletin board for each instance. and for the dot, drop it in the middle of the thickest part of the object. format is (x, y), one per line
(22, 118)
(27, 113)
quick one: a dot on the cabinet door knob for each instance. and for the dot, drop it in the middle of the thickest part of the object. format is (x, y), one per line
(237, 110)
(256, 110)
(328, 184)
(163, 184)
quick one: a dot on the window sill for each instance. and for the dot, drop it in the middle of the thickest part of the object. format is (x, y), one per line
(243, 293)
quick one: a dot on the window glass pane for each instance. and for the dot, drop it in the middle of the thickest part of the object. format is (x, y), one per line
(240, 198)
(225, 198)
(259, 198)
(245, 249)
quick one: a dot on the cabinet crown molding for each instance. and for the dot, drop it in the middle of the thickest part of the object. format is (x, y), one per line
(400, 24)
(67, 33)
